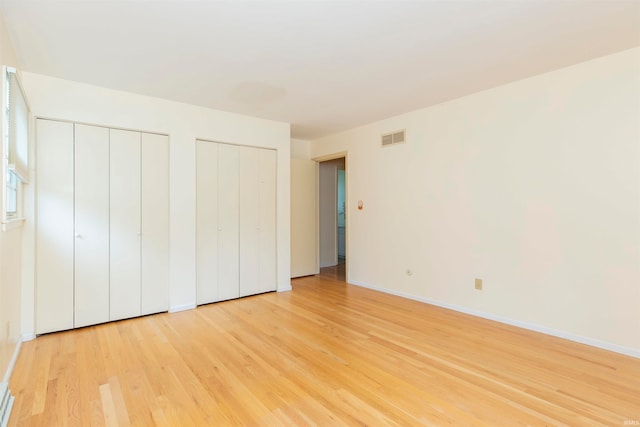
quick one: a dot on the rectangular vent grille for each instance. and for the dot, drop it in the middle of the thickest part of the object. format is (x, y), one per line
(397, 137)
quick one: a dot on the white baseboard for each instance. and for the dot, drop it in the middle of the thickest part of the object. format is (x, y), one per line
(6, 404)
(524, 325)
(28, 336)
(182, 307)
(284, 288)
(6, 399)
(12, 362)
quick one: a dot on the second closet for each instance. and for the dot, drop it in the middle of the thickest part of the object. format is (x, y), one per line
(236, 221)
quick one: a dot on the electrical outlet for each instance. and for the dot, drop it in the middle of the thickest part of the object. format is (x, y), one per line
(478, 284)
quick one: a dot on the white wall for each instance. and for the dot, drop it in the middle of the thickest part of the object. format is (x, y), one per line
(10, 252)
(304, 210)
(533, 186)
(60, 99)
(300, 149)
(304, 217)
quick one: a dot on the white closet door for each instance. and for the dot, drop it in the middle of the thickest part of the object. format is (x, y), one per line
(206, 222)
(228, 222)
(155, 223)
(268, 259)
(91, 226)
(249, 220)
(54, 226)
(125, 224)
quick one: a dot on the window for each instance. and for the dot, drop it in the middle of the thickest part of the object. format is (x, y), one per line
(11, 199)
(15, 165)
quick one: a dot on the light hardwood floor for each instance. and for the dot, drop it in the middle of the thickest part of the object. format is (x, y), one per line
(326, 354)
(337, 272)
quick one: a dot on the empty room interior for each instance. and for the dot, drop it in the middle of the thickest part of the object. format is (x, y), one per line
(320, 213)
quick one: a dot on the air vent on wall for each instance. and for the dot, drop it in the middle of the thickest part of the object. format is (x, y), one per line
(393, 138)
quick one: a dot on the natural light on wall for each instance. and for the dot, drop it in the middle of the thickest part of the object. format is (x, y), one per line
(16, 145)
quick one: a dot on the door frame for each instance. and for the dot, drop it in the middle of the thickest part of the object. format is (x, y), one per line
(325, 158)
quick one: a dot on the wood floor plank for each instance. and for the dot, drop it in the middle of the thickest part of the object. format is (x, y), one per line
(109, 408)
(327, 353)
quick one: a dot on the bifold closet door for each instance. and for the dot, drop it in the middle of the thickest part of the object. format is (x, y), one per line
(267, 226)
(228, 222)
(206, 222)
(236, 221)
(257, 220)
(124, 231)
(91, 225)
(155, 223)
(54, 226)
(249, 220)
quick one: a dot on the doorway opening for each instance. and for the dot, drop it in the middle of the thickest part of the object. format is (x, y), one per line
(333, 222)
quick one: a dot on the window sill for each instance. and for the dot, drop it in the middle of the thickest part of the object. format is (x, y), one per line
(12, 224)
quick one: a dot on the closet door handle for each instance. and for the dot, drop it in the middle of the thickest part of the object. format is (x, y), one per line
(78, 236)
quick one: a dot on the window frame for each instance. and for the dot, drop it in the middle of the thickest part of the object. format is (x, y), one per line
(11, 187)
(12, 218)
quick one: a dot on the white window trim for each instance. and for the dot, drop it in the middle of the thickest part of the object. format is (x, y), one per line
(10, 222)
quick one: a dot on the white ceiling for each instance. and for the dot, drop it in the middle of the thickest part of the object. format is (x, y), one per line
(322, 66)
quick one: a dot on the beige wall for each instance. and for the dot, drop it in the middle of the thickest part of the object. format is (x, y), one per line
(66, 100)
(304, 217)
(533, 186)
(300, 149)
(10, 253)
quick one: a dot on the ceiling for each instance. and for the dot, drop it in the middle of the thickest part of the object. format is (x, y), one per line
(323, 66)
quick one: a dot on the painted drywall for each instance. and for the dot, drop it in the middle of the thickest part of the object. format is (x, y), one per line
(65, 100)
(304, 217)
(10, 252)
(300, 149)
(533, 186)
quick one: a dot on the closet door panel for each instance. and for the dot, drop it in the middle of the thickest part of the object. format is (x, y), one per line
(124, 231)
(249, 221)
(268, 261)
(228, 222)
(91, 225)
(54, 226)
(155, 223)
(206, 222)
